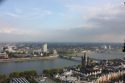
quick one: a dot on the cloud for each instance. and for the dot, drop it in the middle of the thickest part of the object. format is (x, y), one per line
(110, 20)
(15, 34)
(32, 13)
(14, 15)
(6, 28)
(18, 10)
(103, 24)
(14, 31)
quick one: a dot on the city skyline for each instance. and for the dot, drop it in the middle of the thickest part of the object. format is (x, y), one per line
(62, 20)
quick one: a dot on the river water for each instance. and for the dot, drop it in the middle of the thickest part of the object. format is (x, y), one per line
(38, 65)
(107, 55)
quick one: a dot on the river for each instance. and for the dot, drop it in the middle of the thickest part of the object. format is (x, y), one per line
(38, 65)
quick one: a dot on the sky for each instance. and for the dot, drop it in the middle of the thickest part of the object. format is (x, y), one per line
(62, 20)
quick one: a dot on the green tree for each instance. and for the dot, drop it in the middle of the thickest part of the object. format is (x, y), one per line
(14, 75)
(3, 79)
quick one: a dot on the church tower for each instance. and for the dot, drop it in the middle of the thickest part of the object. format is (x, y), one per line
(84, 60)
(124, 46)
(84, 63)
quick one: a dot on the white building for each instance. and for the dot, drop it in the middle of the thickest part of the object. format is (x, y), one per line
(37, 52)
(11, 48)
(104, 47)
(1, 49)
(45, 49)
(55, 52)
(3, 55)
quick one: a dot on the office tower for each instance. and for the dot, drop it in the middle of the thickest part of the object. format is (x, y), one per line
(45, 49)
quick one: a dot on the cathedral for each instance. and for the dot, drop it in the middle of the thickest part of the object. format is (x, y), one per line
(124, 46)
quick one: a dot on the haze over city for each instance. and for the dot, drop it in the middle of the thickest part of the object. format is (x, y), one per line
(62, 41)
(62, 20)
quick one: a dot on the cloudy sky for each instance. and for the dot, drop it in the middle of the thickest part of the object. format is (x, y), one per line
(62, 20)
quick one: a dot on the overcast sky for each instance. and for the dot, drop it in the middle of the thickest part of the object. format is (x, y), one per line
(62, 20)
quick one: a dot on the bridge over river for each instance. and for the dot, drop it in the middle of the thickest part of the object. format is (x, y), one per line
(78, 58)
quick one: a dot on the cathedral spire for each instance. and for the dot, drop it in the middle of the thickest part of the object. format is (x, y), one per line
(124, 46)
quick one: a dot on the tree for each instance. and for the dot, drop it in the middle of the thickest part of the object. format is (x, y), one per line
(3, 79)
(14, 75)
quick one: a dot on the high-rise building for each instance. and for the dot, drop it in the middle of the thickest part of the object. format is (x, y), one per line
(45, 49)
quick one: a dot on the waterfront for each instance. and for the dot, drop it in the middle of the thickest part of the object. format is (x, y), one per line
(108, 55)
(100, 56)
(38, 65)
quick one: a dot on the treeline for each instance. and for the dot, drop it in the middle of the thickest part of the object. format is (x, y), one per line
(52, 72)
(27, 74)
(3, 79)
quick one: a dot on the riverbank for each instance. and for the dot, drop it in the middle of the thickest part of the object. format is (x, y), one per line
(26, 59)
(37, 65)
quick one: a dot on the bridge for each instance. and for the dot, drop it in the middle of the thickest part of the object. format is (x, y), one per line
(74, 58)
